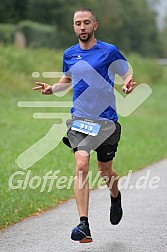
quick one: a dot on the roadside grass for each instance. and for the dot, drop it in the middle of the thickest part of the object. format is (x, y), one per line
(143, 139)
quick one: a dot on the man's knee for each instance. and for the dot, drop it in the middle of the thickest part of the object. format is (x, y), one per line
(106, 170)
(82, 167)
(82, 163)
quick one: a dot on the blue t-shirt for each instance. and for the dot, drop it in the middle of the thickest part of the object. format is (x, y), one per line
(93, 72)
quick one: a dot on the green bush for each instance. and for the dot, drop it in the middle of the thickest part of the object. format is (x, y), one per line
(39, 35)
(7, 32)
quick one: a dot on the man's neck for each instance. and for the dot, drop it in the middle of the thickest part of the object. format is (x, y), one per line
(88, 44)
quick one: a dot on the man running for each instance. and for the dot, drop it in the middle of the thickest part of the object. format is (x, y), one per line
(90, 67)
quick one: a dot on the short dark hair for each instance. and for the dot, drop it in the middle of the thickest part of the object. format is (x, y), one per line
(87, 10)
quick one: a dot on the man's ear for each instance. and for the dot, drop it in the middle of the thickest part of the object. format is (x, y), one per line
(73, 27)
(95, 26)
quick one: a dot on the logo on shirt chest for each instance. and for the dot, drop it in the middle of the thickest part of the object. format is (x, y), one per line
(79, 57)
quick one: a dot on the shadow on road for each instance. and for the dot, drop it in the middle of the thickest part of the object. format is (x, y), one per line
(111, 247)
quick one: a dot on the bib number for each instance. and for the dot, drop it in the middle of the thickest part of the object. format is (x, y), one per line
(86, 127)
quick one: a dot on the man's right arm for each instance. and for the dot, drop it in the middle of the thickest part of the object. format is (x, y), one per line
(62, 84)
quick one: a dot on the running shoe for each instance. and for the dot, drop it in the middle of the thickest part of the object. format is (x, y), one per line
(116, 212)
(81, 233)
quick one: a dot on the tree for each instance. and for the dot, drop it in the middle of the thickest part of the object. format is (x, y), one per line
(129, 24)
(13, 11)
(58, 13)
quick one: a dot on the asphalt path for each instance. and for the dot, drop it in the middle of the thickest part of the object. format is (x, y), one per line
(143, 227)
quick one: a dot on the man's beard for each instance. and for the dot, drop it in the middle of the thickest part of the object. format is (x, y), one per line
(89, 35)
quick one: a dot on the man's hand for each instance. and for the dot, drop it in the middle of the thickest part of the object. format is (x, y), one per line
(45, 88)
(128, 85)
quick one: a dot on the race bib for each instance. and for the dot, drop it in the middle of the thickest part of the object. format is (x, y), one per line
(86, 127)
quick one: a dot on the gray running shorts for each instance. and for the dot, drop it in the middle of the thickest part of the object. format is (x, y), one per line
(105, 143)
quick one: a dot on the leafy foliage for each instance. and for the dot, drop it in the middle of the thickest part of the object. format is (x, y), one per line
(129, 24)
(39, 35)
(7, 32)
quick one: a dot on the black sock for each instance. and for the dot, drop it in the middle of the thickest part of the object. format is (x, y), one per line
(115, 199)
(85, 220)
